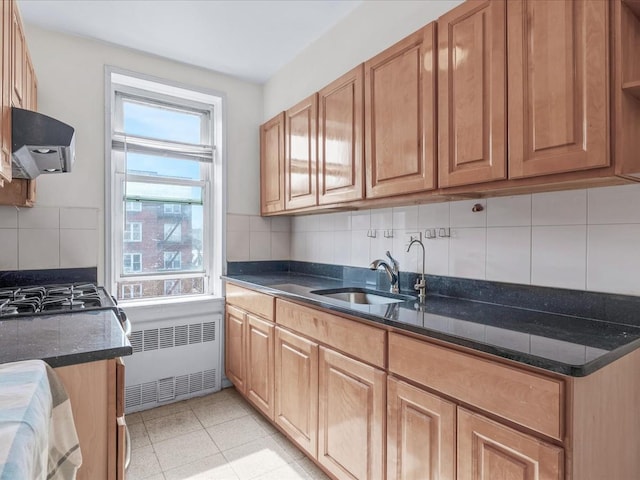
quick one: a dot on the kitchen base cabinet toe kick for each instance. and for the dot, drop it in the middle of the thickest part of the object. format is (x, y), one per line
(370, 402)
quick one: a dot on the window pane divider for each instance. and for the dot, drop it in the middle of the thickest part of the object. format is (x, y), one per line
(167, 275)
(123, 142)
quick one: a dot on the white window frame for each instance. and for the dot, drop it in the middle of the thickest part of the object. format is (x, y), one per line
(214, 217)
(131, 237)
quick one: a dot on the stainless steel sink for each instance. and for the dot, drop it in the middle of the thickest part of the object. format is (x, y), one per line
(363, 296)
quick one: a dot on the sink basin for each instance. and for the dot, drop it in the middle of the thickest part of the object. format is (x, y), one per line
(363, 296)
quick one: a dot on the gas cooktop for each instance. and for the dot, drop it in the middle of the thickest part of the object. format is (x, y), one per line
(58, 298)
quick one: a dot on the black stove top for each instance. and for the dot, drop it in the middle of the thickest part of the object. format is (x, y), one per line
(58, 298)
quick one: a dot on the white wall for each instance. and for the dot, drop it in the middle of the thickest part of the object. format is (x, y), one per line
(366, 31)
(70, 73)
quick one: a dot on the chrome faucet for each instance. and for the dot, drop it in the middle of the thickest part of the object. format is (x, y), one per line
(392, 271)
(420, 286)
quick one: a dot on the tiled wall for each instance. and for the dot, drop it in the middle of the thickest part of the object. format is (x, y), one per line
(48, 237)
(579, 239)
(251, 237)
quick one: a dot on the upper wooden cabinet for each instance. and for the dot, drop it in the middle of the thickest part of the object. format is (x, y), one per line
(472, 94)
(340, 139)
(301, 154)
(272, 165)
(400, 133)
(18, 62)
(6, 19)
(558, 86)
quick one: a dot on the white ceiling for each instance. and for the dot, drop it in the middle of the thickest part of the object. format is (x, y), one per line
(250, 39)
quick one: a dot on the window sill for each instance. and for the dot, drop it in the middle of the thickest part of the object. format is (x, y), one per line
(170, 308)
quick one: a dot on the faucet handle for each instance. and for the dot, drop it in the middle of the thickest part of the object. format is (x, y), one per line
(394, 262)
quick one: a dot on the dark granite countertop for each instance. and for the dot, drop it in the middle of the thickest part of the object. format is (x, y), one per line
(559, 342)
(63, 339)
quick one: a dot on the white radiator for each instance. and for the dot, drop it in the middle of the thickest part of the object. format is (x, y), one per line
(173, 360)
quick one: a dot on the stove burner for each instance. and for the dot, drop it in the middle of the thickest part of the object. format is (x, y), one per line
(52, 298)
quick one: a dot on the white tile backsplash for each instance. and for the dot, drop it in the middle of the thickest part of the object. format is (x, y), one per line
(8, 248)
(38, 248)
(280, 245)
(237, 223)
(614, 205)
(8, 217)
(558, 256)
(260, 246)
(437, 250)
(79, 218)
(509, 211)
(39, 217)
(405, 218)
(509, 254)
(462, 214)
(78, 248)
(613, 258)
(280, 224)
(433, 215)
(467, 252)
(237, 246)
(361, 220)
(259, 224)
(382, 218)
(559, 208)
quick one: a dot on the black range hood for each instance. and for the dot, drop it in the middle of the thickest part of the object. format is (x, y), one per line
(40, 144)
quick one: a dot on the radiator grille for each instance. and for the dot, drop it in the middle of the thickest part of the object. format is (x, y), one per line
(169, 337)
(169, 388)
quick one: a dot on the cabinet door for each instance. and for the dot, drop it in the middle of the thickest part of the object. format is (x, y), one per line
(296, 389)
(472, 94)
(351, 417)
(340, 135)
(235, 347)
(29, 81)
(260, 364)
(300, 154)
(272, 165)
(421, 432)
(490, 451)
(558, 86)
(6, 19)
(90, 387)
(18, 59)
(400, 117)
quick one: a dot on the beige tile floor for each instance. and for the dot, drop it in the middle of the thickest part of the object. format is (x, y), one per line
(217, 437)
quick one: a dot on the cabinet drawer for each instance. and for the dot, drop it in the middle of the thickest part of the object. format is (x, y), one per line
(522, 397)
(362, 341)
(250, 300)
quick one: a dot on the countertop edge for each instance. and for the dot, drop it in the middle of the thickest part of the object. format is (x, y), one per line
(552, 366)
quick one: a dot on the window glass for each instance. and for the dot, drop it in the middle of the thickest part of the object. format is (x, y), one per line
(133, 232)
(173, 231)
(161, 166)
(132, 262)
(172, 260)
(157, 121)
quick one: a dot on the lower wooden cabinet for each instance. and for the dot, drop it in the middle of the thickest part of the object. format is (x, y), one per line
(296, 389)
(260, 364)
(488, 450)
(235, 344)
(351, 417)
(421, 434)
(93, 390)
